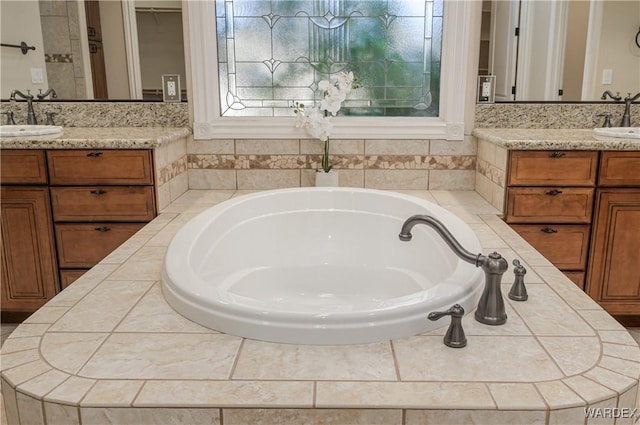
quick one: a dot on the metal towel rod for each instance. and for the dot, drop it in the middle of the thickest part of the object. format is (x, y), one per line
(22, 46)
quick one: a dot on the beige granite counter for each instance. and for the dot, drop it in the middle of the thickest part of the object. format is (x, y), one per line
(494, 145)
(109, 350)
(99, 138)
(573, 139)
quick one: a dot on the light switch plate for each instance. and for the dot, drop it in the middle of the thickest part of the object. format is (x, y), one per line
(37, 76)
(171, 91)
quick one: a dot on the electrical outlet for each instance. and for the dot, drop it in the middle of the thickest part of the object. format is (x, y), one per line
(607, 76)
(171, 88)
(486, 89)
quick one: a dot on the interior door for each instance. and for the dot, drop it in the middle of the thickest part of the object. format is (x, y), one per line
(504, 46)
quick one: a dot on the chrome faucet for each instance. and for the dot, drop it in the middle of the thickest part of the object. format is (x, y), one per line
(490, 309)
(626, 117)
(31, 115)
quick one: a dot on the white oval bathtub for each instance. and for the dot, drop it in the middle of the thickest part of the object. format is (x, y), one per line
(318, 266)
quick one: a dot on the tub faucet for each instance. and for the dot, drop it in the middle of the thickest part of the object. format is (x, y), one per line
(31, 115)
(490, 309)
(626, 117)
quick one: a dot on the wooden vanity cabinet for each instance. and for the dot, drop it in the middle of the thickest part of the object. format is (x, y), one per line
(581, 210)
(100, 198)
(613, 279)
(28, 258)
(549, 202)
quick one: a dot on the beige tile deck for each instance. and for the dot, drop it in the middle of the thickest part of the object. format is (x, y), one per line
(109, 349)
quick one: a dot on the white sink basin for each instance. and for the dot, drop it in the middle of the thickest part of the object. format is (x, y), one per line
(29, 130)
(623, 132)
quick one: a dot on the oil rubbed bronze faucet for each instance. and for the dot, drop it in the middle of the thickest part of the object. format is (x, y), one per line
(31, 115)
(490, 309)
(626, 117)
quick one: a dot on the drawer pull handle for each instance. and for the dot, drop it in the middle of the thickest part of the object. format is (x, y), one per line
(103, 229)
(98, 192)
(548, 230)
(94, 154)
(556, 154)
(553, 192)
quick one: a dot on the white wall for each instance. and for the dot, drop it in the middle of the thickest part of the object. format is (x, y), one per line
(114, 49)
(20, 21)
(617, 50)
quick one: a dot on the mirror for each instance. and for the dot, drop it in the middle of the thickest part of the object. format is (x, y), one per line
(116, 50)
(542, 50)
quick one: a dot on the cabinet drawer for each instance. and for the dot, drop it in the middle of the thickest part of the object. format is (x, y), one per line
(566, 246)
(103, 203)
(553, 168)
(84, 245)
(23, 166)
(99, 167)
(619, 169)
(549, 205)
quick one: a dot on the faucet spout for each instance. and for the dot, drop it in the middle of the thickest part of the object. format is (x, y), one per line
(491, 310)
(617, 97)
(50, 91)
(626, 117)
(435, 224)
(31, 115)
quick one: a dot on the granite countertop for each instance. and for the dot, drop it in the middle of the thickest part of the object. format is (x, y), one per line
(567, 139)
(109, 349)
(98, 138)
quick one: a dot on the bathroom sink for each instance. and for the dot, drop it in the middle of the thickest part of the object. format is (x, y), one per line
(29, 130)
(623, 132)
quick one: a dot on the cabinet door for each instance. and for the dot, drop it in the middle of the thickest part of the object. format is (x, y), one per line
(29, 273)
(614, 276)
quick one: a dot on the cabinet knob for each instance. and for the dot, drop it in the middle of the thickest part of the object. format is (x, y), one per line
(103, 229)
(94, 154)
(98, 192)
(548, 230)
(553, 192)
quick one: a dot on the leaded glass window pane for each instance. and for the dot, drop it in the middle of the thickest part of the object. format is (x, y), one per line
(273, 52)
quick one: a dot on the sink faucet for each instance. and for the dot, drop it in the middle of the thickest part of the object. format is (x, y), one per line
(626, 117)
(51, 92)
(31, 115)
(617, 97)
(490, 309)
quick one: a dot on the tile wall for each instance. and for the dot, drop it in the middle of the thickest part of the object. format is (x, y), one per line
(373, 163)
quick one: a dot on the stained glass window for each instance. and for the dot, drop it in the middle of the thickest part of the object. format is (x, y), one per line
(271, 53)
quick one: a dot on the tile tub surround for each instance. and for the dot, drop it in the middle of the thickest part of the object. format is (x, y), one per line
(169, 147)
(108, 349)
(551, 115)
(494, 144)
(255, 164)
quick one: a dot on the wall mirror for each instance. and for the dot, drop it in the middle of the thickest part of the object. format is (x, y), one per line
(542, 50)
(115, 50)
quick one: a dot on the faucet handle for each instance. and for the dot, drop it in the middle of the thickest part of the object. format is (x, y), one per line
(518, 291)
(50, 116)
(455, 337)
(607, 119)
(10, 119)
